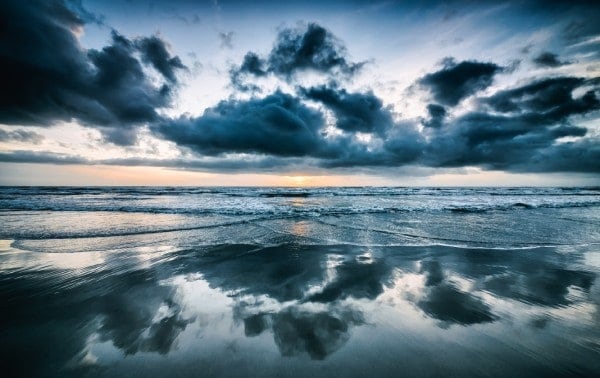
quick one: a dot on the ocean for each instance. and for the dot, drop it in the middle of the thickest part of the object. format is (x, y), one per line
(296, 282)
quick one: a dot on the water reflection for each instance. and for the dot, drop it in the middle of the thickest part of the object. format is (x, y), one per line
(297, 332)
(310, 301)
(444, 301)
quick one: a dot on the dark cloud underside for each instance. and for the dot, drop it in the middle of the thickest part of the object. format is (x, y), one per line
(362, 112)
(548, 59)
(519, 129)
(522, 132)
(457, 81)
(436, 116)
(48, 77)
(278, 124)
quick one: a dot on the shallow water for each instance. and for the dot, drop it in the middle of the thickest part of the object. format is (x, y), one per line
(300, 282)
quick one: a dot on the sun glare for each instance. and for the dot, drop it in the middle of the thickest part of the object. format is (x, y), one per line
(300, 180)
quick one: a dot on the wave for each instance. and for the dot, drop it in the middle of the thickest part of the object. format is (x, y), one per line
(286, 210)
(518, 205)
(107, 234)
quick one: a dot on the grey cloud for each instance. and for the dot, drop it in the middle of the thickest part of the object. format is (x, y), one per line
(551, 98)
(309, 47)
(282, 125)
(580, 28)
(313, 47)
(226, 39)
(278, 124)
(522, 133)
(362, 112)
(548, 59)
(456, 81)
(154, 51)
(253, 65)
(20, 135)
(437, 113)
(261, 163)
(40, 157)
(54, 79)
(518, 129)
(575, 156)
(365, 112)
(498, 142)
(84, 14)
(48, 77)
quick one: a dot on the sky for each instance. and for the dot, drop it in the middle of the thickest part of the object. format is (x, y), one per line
(299, 93)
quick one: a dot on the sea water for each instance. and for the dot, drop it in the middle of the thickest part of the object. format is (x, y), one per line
(362, 281)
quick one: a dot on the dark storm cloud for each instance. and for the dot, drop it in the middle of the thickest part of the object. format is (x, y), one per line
(252, 65)
(309, 47)
(437, 113)
(518, 129)
(548, 59)
(282, 125)
(366, 113)
(521, 134)
(577, 156)
(457, 81)
(362, 112)
(497, 142)
(48, 77)
(552, 98)
(20, 135)
(83, 13)
(278, 124)
(154, 51)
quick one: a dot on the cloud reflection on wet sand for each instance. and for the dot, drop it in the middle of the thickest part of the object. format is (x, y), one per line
(307, 302)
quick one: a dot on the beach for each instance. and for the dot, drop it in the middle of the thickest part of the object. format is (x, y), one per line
(294, 282)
